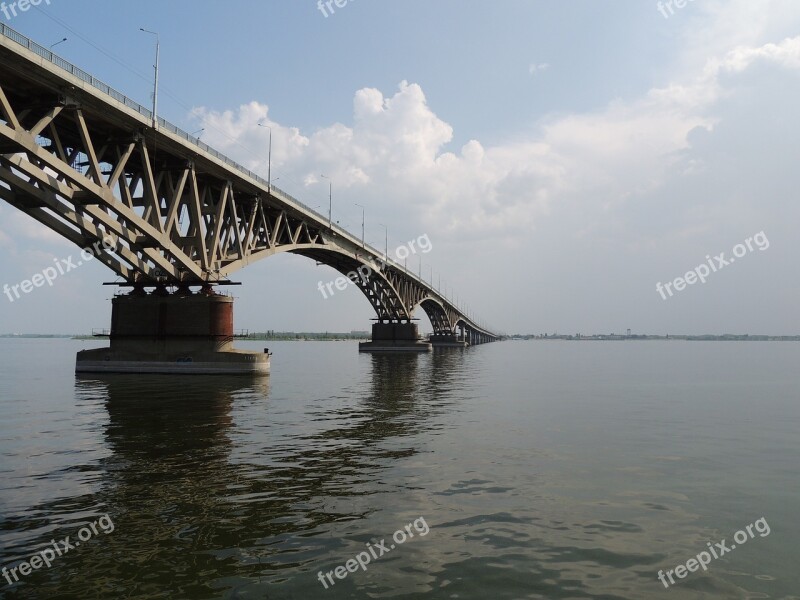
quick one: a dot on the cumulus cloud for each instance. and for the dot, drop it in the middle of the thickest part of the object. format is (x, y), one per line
(714, 27)
(396, 149)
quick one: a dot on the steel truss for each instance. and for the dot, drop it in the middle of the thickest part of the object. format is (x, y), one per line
(159, 212)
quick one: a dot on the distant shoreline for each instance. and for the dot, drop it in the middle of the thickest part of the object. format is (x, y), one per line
(254, 337)
(656, 338)
(361, 336)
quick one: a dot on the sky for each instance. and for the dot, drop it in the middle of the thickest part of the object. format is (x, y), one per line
(570, 162)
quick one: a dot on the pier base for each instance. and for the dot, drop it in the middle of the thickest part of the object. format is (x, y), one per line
(447, 341)
(395, 337)
(172, 334)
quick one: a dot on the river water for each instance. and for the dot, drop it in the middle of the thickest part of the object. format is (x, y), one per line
(521, 469)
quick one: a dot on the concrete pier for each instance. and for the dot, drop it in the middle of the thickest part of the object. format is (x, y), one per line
(447, 341)
(395, 337)
(181, 333)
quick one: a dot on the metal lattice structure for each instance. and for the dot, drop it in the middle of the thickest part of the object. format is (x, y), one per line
(160, 207)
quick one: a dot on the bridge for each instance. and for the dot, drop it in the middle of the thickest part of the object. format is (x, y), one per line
(173, 218)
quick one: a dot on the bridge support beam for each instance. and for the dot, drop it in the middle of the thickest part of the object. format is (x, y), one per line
(395, 337)
(182, 333)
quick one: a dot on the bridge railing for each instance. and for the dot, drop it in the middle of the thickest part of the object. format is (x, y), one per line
(67, 66)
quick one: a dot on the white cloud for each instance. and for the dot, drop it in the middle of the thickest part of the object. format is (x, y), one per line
(395, 151)
(714, 27)
(534, 68)
(24, 226)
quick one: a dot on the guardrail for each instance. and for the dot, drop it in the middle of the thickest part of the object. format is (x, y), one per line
(67, 66)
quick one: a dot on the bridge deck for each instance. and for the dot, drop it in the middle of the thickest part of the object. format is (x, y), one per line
(119, 177)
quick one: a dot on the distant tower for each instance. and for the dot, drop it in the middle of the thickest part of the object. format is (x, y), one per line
(629, 333)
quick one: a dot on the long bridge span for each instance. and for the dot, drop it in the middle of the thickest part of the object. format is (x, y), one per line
(164, 211)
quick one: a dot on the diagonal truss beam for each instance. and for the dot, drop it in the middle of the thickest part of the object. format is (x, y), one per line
(175, 217)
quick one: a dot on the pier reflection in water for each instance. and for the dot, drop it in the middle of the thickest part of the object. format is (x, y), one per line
(218, 490)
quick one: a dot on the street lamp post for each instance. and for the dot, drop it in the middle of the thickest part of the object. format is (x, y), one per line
(155, 83)
(363, 245)
(57, 43)
(330, 201)
(269, 157)
(386, 247)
